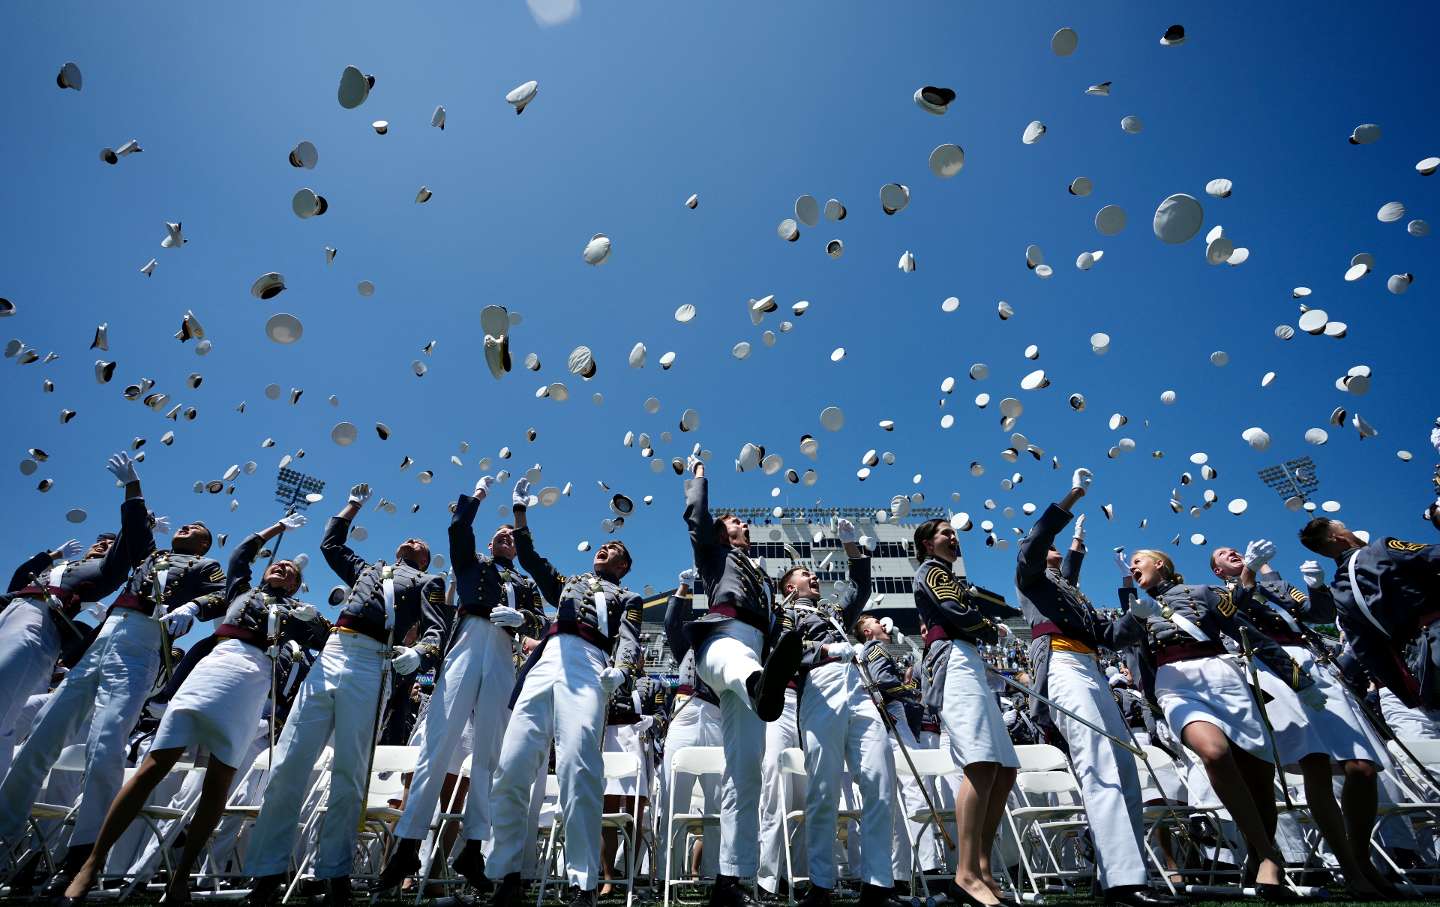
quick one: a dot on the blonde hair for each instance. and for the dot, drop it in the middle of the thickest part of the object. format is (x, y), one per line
(1165, 562)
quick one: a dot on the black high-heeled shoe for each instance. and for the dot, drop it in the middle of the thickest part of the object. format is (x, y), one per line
(1276, 893)
(962, 898)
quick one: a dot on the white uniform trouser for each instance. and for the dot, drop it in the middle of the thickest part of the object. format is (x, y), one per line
(561, 699)
(477, 680)
(29, 645)
(338, 697)
(1109, 782)
(695, 723)
(840, 726)
(726, 660)
(112, 681)
(1408, 723)
(776, 790)
(910, 803)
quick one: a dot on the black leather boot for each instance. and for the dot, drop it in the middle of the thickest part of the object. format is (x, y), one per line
(729, 892)
(263, 890)
(470, 864)
(403, 864)
(337, 892)
(510, 892)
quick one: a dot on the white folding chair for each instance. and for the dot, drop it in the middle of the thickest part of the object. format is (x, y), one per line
(71, 759)
(689, 760)
(449, 813)
(377, 833)
(930, 765)
(618, 766)
(1420, 808)
(1052, 812)
(152, 815)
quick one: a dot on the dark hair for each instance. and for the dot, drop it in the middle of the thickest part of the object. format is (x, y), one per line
(722, 532)
(924, 533)
(105, 537)
(1316, 533)
(616, 543)
(786, 576)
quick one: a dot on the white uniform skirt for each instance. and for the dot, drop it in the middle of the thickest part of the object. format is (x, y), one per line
(1212, 690)
(1340, 727)
(218, 705)
(970, 714)
(629, 738)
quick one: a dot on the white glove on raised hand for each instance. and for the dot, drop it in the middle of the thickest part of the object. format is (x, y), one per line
(846, 531)
(520, 497)
(1081, 479)
(1143, 607)
(71, 549)
(159, 524)
(122, 468)
(1312, 698)
(179, 620)
(1079, 534)
(482, 487)
(694, 460)
(1258, 553)
(294, 520)
(841, 650)
(305, 612)
(406, 661)
(689, 576)
(1435, 436)
(1313, 574)
(610, 680)
(504, 616)
(359, 494)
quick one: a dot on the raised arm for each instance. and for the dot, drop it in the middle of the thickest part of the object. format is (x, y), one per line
(30, 569)
(548, 580)
(136, 539)
(697, 515)
(335, 547)
(1035, 547)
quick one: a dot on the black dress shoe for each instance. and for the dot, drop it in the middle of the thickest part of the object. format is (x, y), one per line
(878, 896)
(54, 887)
(580, 898)
(510, 892)
(960, 896)
(780, 667)
(403, 864)
(728, 892)
(337, 892)
(470, 864)
(1138, 896)
(1276, 894)
(815, 896)
(263, 890)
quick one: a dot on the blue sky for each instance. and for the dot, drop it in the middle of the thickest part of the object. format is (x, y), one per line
(750, 105)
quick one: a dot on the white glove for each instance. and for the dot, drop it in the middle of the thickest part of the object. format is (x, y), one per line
(160, 524)
(294, 520)
(1312, 698)
(1258, 553)
(841, 650)
(610, 680)
(482, 487)
(305, 612)
(406, 661)
(1079, 534)
(693, 460)
(520, 497)
(847, 531)
(1082, 479)
(1435, 436)
(1122, 560)
(71, 550)
(688, 577)
(1313, 574)
(359, 494)
(1142, 607)
(503, 616)
(122, 468)
(179, 620)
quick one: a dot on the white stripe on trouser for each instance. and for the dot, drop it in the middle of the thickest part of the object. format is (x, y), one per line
(726, 660)
(560, 700)
(1109, 782)
(697, 723)
(29, 645)
(112, 681)
(338, 698)
(775, 791)
(910, 803)
(477, 680)
(840, 726)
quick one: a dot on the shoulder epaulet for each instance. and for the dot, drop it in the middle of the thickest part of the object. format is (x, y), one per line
(1224, 602)
(1297, 596)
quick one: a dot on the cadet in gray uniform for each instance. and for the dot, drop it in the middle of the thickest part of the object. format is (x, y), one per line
(1207, 698)
(218, 705)
(159, 602)
(1316, 741)
(735, 657)
(840, 727)
(339, 699)
(1067, 670)
(588, 652)
(495, 601)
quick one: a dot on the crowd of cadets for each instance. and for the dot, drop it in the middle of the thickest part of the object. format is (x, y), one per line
(530, 672)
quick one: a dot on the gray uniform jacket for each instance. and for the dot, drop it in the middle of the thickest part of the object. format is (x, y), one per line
(954, 606)
(737, 589)
(574, 599)
(1271, 592)
(187, 578)
(483, 583)
(1400, 584)
(247, 615)
(815, 630)
(418, 597)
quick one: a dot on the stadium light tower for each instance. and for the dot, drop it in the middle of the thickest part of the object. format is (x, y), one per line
(1294, 481)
